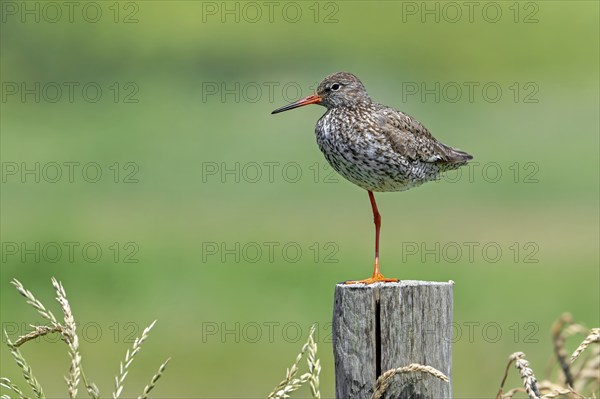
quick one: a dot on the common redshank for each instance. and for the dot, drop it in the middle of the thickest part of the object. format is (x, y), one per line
(375, 146)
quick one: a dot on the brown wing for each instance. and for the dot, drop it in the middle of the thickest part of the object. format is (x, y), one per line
(409, 138)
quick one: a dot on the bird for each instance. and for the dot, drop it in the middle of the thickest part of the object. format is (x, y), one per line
(376, 147)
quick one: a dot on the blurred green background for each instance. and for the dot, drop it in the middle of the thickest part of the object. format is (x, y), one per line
(187, 89)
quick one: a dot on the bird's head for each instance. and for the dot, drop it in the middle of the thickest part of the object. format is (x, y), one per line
(340, 89)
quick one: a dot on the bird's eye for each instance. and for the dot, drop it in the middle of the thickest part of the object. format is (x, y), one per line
(335, 86)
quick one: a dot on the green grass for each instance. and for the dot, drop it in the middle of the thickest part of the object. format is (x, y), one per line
(171, 212)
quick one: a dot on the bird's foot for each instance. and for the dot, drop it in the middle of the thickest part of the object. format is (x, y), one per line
(375, 278)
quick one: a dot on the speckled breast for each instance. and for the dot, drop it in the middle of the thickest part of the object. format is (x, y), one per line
(357, 152)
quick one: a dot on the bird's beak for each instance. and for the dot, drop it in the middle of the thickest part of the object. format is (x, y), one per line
(314, 99)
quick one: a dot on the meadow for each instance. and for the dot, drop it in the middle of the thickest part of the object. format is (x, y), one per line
(141, 167)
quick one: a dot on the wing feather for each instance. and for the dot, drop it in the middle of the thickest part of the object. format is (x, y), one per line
(410, 139)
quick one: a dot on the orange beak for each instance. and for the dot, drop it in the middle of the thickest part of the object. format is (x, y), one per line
(314, 99)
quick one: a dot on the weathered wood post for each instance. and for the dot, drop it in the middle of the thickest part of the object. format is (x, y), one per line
(384, 326)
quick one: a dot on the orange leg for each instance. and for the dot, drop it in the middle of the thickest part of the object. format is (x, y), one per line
(377, 277)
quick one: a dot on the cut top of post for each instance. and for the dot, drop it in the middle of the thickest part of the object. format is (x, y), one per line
(398, 284)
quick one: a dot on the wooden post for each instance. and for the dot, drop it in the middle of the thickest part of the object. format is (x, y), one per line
(383, 326)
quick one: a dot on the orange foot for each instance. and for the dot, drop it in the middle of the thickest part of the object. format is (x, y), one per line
(376, 278)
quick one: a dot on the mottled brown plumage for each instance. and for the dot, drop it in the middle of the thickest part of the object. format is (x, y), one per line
(375, 146)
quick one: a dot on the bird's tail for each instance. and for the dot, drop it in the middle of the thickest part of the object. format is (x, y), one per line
(454, 155)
